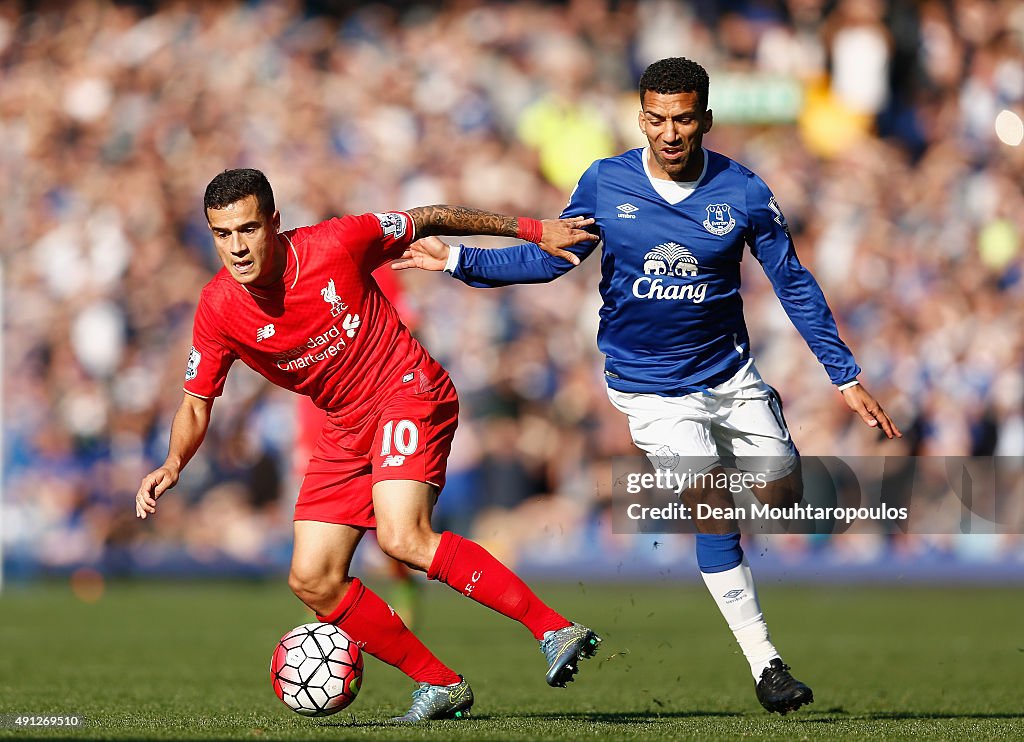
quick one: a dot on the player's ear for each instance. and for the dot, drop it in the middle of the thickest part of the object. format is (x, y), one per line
(709, 120)
(640, 122)
(276, 220)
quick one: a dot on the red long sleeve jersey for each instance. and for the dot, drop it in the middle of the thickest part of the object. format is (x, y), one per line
(326, 330)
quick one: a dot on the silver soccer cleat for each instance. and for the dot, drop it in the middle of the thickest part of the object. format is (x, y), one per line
(438, 702)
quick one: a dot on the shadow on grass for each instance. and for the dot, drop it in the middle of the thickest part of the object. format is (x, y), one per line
(830, 716)
(603, 717)
(821, 716)
(625, 717)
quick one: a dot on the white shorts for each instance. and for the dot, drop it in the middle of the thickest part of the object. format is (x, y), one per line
(737, 424)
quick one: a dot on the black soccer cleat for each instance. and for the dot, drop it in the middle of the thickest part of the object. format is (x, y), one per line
(780, 692)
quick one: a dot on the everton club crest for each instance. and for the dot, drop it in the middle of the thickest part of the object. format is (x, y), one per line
(719, 219)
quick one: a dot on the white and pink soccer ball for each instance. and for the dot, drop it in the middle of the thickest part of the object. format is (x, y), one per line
(316, 669)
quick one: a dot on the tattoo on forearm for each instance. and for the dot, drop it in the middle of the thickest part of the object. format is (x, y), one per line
(459, 220)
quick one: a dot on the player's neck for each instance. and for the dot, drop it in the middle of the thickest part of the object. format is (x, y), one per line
(692, 172)
(279, 266)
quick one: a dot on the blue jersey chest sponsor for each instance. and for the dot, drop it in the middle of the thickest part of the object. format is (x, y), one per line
(666, 254)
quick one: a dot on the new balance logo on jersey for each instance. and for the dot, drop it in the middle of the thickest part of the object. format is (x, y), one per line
(392, 461)
(330, 295)
(265, 332)
(627, 210)
(719, 219)
(672, 261)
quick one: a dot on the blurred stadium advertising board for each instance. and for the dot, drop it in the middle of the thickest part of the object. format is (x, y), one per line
(751, 98)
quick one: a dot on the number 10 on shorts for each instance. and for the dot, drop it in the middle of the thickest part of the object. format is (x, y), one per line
(403, 437)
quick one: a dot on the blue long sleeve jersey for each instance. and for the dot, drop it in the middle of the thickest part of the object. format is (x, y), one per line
(672, 319)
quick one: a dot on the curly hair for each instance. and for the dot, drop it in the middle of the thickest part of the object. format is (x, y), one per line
(234, 185)
(675, 75)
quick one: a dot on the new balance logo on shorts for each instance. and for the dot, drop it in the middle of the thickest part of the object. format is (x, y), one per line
(393, 461)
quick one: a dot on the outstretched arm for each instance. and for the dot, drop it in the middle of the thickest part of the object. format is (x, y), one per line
(526, 263)
(552, 235)
(482, 268)
(187, 432)
(459, 220)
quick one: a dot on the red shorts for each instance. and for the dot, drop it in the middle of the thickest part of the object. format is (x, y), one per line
(408, 437)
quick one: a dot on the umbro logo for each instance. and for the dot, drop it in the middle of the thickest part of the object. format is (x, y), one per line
(265, 332)
(627, 210)
(732, 594)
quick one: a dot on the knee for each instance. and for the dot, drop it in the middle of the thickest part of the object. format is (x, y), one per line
(317, 588)
(705, 495)
(781, 493)
(413, 547)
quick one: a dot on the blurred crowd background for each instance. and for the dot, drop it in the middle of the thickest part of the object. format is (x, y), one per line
(872, 121)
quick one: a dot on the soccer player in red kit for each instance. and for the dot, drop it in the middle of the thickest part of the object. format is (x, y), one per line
(300, 308)
(405, 588)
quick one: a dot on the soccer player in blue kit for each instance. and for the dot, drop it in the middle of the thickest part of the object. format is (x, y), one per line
(673, 219)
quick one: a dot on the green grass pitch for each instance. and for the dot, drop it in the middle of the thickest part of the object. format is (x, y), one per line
(163, 660)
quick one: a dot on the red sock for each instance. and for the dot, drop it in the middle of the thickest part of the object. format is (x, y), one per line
(468, 568)
(378, 630)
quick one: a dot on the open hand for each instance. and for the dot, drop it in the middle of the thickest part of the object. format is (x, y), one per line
(429, 254)
(562, 233)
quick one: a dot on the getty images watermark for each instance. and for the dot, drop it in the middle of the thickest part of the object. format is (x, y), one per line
(735, 483)
(840, 494)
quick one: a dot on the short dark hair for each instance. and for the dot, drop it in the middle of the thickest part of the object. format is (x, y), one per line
(675, 75)
(234, 185)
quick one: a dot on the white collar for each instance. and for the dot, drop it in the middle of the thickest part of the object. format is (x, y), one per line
(673, 191)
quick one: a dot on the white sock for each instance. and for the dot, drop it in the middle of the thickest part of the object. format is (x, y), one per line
(736, 596)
